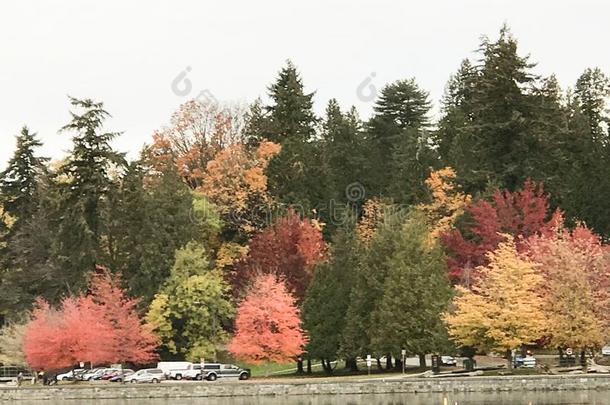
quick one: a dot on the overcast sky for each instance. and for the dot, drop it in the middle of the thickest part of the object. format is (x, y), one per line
(127, 53)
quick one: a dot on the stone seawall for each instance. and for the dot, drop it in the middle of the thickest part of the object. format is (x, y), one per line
(253, 388)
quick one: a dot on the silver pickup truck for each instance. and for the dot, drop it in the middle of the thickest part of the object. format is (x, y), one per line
(210, 372)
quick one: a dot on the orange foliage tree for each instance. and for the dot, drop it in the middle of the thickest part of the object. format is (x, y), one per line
(235, 181)
(576, 291)
(447, 203)
(197, 132)
(267, 327)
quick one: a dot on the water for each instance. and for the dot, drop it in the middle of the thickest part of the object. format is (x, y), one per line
(527, 398)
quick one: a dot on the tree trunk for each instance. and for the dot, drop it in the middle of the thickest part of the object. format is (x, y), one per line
(351, 364)
(509, 358)
(388, 361)
(398, 364)
(379, 367)
(422, 360)
(300, 366)
(308, 366)
(583, 360)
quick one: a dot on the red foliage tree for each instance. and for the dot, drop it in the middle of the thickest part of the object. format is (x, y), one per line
(289, 249)
(267, 324)
(101, 327)
(593, 261)
(131, 340)
(522, 213)
(61, 338)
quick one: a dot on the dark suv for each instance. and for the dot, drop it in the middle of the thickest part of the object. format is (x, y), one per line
(212, 371)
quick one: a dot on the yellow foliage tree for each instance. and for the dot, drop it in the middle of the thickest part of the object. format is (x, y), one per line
(448, 202)
(504, 309)
(373, 212)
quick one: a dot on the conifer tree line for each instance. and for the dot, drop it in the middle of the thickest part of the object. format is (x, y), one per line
(446, 209)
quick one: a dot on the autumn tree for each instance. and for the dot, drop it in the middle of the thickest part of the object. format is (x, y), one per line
(58, 338)
(576, 288)
(447, 201)
(374, 211)
(267, 327)
(504, 308)
(521, 213)
(192, 308)
(198, 130)
(131, 341)
(101, 327)
(236, 182)
(290, 248)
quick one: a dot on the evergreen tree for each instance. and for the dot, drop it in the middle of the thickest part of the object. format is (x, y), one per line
(146, 225)
(343, 161)
(416, 293)
(33, 270)
(290, 115)
(294, 173)
(396, 138)
(25, 269)
(586, 177)
(368, 288)
(19, 181)
(85, 193)
(327, 299)
(486, 133)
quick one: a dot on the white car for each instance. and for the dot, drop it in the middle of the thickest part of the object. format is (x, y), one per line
(70, 375)
(448, 361)
(606, 351)
(147, 375)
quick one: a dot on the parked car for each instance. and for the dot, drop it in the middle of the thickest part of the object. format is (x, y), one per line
(213, 371)
(606, 351)
(94, 373)
(119, 377)
(527, 361)
(147, 375)
(71, 375)
(448, 361)
(109, 373)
